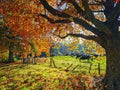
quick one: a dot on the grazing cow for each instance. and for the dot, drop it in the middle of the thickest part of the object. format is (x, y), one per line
(72, 54)
(83, 56)
(96, 55)
(78, 56)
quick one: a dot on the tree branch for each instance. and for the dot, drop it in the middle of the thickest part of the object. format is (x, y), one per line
(54, 11)
(115, 12)
(77, 21)
(74, 19)
(96, 22)
(86, 26)
(77, 7)
(88, 37)
(99, 2)
(108, 5)
(55, 21)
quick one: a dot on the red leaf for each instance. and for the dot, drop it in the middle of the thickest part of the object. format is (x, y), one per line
(117, 1)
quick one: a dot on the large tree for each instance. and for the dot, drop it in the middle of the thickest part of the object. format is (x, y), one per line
(101, 17)
(20, 17)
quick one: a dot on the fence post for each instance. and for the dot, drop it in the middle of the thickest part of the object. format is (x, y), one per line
(75, 67)
(90, 67)
(52, 62)
(99, 68)
(67, 69)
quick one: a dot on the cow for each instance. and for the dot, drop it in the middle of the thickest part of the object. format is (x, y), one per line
(78, 56)
(72, 54)
(83, 56)
(96, 55)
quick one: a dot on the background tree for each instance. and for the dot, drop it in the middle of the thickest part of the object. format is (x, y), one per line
(92, 47)
(22, 19)
(6, 40)
(101, 17)
(8, 43)
(73, 45)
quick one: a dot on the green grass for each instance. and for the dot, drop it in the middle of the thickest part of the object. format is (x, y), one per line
(64, 61)
(41, 76)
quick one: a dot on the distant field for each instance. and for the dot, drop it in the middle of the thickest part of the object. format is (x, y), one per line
(43, 77)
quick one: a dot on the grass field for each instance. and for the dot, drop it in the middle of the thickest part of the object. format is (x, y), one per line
(42, 77)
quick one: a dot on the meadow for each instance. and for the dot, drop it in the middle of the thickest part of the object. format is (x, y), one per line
(69, 74)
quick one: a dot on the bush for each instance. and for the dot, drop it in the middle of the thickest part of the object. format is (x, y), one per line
(3, 57)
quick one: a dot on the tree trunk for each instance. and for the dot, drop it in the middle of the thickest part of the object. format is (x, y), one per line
(10, 58)
(112, 78)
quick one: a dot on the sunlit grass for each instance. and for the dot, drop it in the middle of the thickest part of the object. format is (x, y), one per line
(84, 65)
(41, 76)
